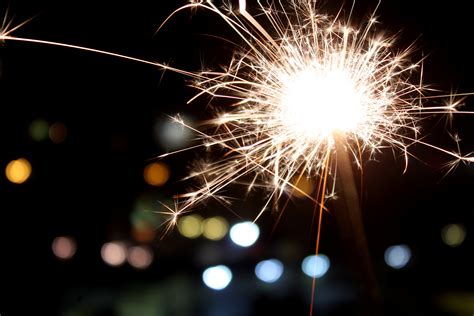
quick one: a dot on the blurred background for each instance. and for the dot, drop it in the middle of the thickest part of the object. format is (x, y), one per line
(81, 190)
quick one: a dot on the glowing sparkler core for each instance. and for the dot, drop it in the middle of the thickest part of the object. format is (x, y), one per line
(315, 105)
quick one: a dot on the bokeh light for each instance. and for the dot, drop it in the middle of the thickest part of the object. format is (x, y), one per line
(190, 226)
(64, 247)
(244, 234)
(315, 266)
(397, 256)
(18, 171)
(57, 132)
(269, 271)
(217, 277)
(172, 135)
(453, 235)
(144, 224)
(114, 253)
(215, 228)
(140, 257)
(39, 130)
(303, 187)
(156, 174)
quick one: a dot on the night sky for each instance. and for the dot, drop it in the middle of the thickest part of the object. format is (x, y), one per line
(90, 184)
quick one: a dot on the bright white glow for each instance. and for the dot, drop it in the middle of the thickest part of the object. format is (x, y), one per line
(269, 271)
(244, 234)
(140, 257)
(114, 253)
(315, 266)
(316, 104)
(397, 256)
(217, 277)
(242, 5)
(64, 247)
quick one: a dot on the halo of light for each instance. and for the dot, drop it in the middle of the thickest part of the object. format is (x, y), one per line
(190, 226)
(244, 234)
(217, 277)
(453, 235)
(140, 257)
(18, 171)
(64, 247)
(269, 271)
(114, 253)
(397, 256)
(156, 174)
(315, 266)
(215, 228)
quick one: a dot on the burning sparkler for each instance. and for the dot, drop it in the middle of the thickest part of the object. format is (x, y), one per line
(303, 87)
(309, 95)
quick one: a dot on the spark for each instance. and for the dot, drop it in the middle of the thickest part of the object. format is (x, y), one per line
(301, 84)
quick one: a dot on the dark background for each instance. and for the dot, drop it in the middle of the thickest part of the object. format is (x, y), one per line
(87, 186)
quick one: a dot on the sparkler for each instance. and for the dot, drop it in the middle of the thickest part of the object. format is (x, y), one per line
(300, 87)
(309, 94)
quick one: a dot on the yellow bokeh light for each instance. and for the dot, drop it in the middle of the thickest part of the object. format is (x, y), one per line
(215, 228)
(303, 186)
(156, 174)
(18, 171)
(453, 235)
(190, 226)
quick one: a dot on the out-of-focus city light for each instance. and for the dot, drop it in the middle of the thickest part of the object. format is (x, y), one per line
(190, 226)
(172, 135)
(144, 233)
(244, 234)
(453, 235)
(315, 266)
(18, 171)
(156, 174)
(397, 256)
(217, 277)
(39, 130)
(215, 228)
(64, 247)
(303, 187)
(144, 223)
(114, 253)
(140, 257)
(57, 132)
(269, 271)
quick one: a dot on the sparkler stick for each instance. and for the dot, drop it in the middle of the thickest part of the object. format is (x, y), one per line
(351, 229)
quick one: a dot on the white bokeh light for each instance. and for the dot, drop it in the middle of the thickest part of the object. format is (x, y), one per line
(114, 253)
(244, 234)
(269, 271)
(217, 277)
(140, 257)
(397, 256)
(316, 266)
(64, 247)
(171, 134)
